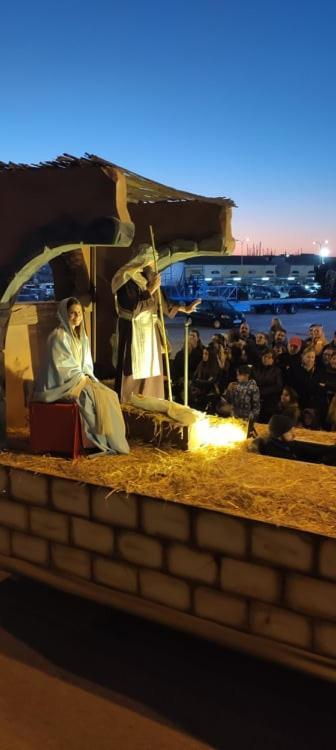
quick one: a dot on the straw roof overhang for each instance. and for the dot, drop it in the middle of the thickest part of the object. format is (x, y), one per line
(139, 189)
(53, 207)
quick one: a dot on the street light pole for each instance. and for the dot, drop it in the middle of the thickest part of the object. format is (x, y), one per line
(323, 249)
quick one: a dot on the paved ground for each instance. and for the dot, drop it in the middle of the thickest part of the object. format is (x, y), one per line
(294, 324)
(78, 676)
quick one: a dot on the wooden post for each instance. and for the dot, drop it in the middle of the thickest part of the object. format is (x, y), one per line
(165, 345)
(5, 311)
(186, 360)
(93, 273)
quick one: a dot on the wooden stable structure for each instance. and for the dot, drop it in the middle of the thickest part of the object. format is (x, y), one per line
(85, 216)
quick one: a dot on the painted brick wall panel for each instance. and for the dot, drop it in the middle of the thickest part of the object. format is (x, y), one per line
(119, 509)
(116, 574)
(325, 638)
(46, 523)
(317, 598)
(30, 548)
(282, 547)
(221, 533)
(189, 563)
(3, 479)
(71, 560)
(13, 515)
(140, 549)
(280, 625)
(30, 488)
(164, 589)
(166, 519)
(93, 536)
(248, 579)
(71, 497)
(328, 559)
(4, 541)
(222, 608)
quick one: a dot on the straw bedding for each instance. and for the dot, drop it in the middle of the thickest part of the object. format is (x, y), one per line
(230, 480)
(306, 436)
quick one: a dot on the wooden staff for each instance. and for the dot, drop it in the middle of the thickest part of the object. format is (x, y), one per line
(161, 316)
(186, 360)
(93, 264)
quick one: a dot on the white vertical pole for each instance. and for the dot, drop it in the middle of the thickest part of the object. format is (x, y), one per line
(93, 264)
(186, 360)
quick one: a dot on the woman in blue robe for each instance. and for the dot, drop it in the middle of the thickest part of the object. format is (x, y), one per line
(68, 375)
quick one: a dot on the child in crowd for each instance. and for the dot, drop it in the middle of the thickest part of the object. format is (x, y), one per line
(241, 398)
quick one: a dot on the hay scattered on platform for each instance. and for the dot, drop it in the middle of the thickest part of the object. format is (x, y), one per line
(160, 421)
(231, 480)
(305, 436)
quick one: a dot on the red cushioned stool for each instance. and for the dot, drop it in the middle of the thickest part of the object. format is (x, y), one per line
(55, 428)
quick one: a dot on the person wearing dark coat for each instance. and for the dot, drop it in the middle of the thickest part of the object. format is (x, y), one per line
(204, 380)
(325, 357)
(327, 383)
(261, 346)
(280, 338)
(328, 376)
(276, 325)
(195, 353)
(290, 360)
(306, 381)
(280, 443)
(238, 357)
(332, 343)
(288, 404)
(249, 341)
(269, 381)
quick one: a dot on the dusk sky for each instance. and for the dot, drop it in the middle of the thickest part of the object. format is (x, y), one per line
(216, 97)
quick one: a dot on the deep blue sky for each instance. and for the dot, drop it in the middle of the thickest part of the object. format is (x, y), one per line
(222, 98)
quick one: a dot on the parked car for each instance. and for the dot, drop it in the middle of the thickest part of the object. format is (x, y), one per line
(47, 291)
(297, 290)
(216, 314)
(282, 290)
(27, 295)
(263, 292)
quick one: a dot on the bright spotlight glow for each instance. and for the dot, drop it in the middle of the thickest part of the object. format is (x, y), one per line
(316, 242)
(265, 278)
(324, 252)
(290, 278)
(236, 278)
(226, 432)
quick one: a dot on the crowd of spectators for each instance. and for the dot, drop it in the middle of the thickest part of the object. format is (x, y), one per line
(264, 374)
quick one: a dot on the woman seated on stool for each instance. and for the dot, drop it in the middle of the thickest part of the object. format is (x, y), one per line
(69, 376)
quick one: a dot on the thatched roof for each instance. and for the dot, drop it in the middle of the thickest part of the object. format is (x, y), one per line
(56, 206)
(139, 189)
